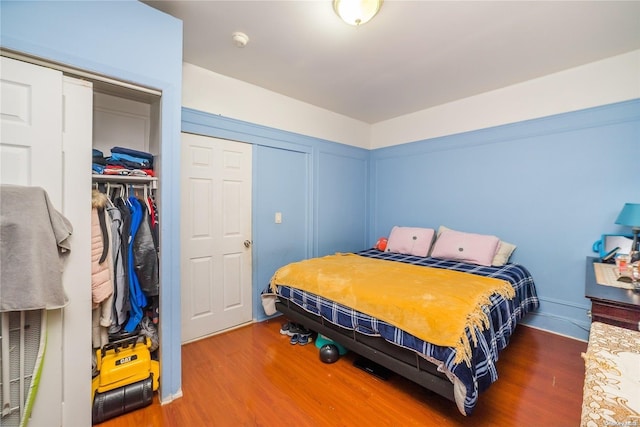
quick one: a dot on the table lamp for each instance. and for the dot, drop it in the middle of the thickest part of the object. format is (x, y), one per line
(630, 216)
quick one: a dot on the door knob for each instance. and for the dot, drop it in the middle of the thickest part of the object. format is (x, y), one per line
(247, 243)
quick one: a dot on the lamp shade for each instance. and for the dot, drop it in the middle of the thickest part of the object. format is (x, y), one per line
(630, 215)
(356, 12)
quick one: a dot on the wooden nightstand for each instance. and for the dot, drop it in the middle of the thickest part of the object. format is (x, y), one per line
(615, 306)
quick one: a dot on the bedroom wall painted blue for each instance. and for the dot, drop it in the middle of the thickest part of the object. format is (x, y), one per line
(551, 186)
(129, 41)
(342, 202)
(274, 190)
(319, 186)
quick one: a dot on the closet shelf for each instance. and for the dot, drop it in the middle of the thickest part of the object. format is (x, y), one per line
(123, 179)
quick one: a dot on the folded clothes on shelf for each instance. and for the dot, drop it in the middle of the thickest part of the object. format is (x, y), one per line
(129, 161)
(135, 155)
(123, 161)
(120, 170)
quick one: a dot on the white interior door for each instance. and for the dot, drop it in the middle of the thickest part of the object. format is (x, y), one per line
(216, 235)
(35, 144)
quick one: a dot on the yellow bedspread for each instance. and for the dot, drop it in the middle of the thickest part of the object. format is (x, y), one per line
(435, 305)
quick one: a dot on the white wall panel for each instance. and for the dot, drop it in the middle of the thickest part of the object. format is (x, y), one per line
(214, 93)
(604, 82)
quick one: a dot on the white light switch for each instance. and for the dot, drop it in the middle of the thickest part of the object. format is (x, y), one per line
(278, 217)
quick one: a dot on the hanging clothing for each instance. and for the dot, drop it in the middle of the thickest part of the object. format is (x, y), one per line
(134, 258)
(101, 270)
(145, 255)
(136, 296)
(101, 263)
(121, 303)
(125, 213)
(154, 222)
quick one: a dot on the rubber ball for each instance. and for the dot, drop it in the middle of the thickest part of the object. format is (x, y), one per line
(329, 353)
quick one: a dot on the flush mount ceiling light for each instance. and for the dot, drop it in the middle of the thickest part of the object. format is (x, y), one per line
(356, 12)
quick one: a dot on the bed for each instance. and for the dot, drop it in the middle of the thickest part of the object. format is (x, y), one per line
(441, 369)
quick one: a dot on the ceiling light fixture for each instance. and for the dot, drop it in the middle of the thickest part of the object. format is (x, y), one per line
(356, 12)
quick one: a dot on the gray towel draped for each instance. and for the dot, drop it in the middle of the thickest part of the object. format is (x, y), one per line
(34, 239)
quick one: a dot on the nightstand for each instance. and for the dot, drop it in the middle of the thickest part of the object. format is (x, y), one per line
(611, 305)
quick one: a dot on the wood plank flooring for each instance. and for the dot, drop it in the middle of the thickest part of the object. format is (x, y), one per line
(252, 376)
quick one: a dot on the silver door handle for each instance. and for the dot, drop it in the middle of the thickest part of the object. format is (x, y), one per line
(247, 243)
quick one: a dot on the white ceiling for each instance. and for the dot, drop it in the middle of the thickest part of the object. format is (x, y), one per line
(413, 55)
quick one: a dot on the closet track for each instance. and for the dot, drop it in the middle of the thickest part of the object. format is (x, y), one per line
(101, 83)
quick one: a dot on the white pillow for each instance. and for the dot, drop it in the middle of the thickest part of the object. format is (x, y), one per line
(410, 240)
(503, 253)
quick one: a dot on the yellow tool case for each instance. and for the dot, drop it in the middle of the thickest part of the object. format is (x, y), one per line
(126, 380)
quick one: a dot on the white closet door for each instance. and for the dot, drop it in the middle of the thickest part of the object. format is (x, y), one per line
(216, 235)
(76, 206)
(32, 154)
(31, 139)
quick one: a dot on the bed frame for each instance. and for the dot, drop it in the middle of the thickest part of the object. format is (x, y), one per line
(404, 362)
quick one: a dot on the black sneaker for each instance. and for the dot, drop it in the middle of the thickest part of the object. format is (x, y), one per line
(284, 329)
(295, 328)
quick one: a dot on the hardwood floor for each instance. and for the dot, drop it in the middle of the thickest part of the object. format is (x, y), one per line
(252, 376)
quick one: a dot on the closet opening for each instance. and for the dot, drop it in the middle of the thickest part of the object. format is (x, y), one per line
(126, 178)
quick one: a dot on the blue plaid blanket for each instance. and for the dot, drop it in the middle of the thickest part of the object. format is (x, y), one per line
(504, 315)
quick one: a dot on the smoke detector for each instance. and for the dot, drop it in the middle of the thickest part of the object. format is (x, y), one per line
(240, 39)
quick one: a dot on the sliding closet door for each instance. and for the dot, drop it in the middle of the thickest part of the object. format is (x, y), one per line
(37, 150)
(216, 235)
(76, 206)
(31, 127)
(30, 155)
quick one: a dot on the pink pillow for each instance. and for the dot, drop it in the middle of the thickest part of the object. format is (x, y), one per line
(467, 247)
(410, 240)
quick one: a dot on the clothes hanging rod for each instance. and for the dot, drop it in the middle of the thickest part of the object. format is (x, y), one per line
(123, 179)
